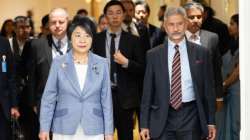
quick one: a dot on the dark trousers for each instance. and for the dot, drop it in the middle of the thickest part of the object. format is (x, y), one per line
(182, 124)
(5, 130)
(123, 119)
(29, 122)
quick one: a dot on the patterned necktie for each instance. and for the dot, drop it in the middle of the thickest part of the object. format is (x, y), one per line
(129, 29)
(112, 62)
(176, 96)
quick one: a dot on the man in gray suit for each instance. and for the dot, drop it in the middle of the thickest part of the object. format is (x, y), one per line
(206, 39)
(178, 101)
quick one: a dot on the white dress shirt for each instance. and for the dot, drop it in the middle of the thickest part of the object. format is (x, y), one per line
(81, 72)
(133, 28)
(64, 46)
(197, 40)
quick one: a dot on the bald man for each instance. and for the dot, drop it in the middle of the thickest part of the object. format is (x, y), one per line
(44, 50)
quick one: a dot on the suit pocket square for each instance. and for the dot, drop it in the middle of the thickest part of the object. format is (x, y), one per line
(61, 112)
(199, 62)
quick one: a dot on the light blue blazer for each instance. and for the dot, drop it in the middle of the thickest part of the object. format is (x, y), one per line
(64, 106)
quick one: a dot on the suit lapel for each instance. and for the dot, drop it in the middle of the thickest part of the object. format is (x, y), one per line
(122, 41)
(48, 49)
(15, 47)
(164, 66)
(103, 43)
(203, 39)
(70, 72)
(192, 58)
(92, 71)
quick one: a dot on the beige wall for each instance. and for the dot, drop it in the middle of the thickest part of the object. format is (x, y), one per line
(12, 8)
(225, 9)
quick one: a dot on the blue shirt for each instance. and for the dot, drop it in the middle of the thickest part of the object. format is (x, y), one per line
(186, 79)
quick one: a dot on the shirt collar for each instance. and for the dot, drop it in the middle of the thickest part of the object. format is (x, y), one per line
(180, 44)
(188, 34)
(118, 33)
(64, 40)
(132, 26)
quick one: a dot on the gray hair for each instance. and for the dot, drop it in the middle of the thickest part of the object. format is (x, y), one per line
(195, 5)
(59, 10)
(175, 11)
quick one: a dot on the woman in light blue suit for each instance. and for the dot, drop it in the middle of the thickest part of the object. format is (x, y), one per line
(77, 103)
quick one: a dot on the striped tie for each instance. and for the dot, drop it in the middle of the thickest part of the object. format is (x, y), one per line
(176, 97)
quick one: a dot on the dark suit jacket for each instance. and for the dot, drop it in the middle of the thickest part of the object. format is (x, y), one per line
(217, 26)
(7, 82)
(156, 92)
(128, 79)
(143, 36)
(18, 63)
(210, 40)
(156, 35)
(41, 58)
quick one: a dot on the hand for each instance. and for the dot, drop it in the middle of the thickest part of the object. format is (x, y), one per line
(14, 112)
(219, 105)
(109, 137)
(145, 134)
(44, 135)
(35, 109)
(211, 132)
(120, 58)
(225, 88)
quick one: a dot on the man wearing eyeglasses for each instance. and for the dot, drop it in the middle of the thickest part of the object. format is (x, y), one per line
(206, 39)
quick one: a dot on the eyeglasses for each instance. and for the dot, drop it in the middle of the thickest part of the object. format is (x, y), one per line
(195, 16)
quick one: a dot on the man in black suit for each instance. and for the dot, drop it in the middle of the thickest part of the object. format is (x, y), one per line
(217, 26)
(126, 65)
(129, 25)
(178, 100)
(8, 99)
(44, 50)
(142, 12)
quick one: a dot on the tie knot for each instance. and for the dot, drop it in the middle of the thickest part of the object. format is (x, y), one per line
(176, 47)
(129, 28)
(113, 35)
(193, 37)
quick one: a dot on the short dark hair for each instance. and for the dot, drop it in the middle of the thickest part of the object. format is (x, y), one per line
(146, 6)
(45, 20)
(100, 18)
(235, 18)
(163, 7)
(21, 19)
(128, 1)
(83, 22)
(112, 3)
(210, 11)
(80, 11)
